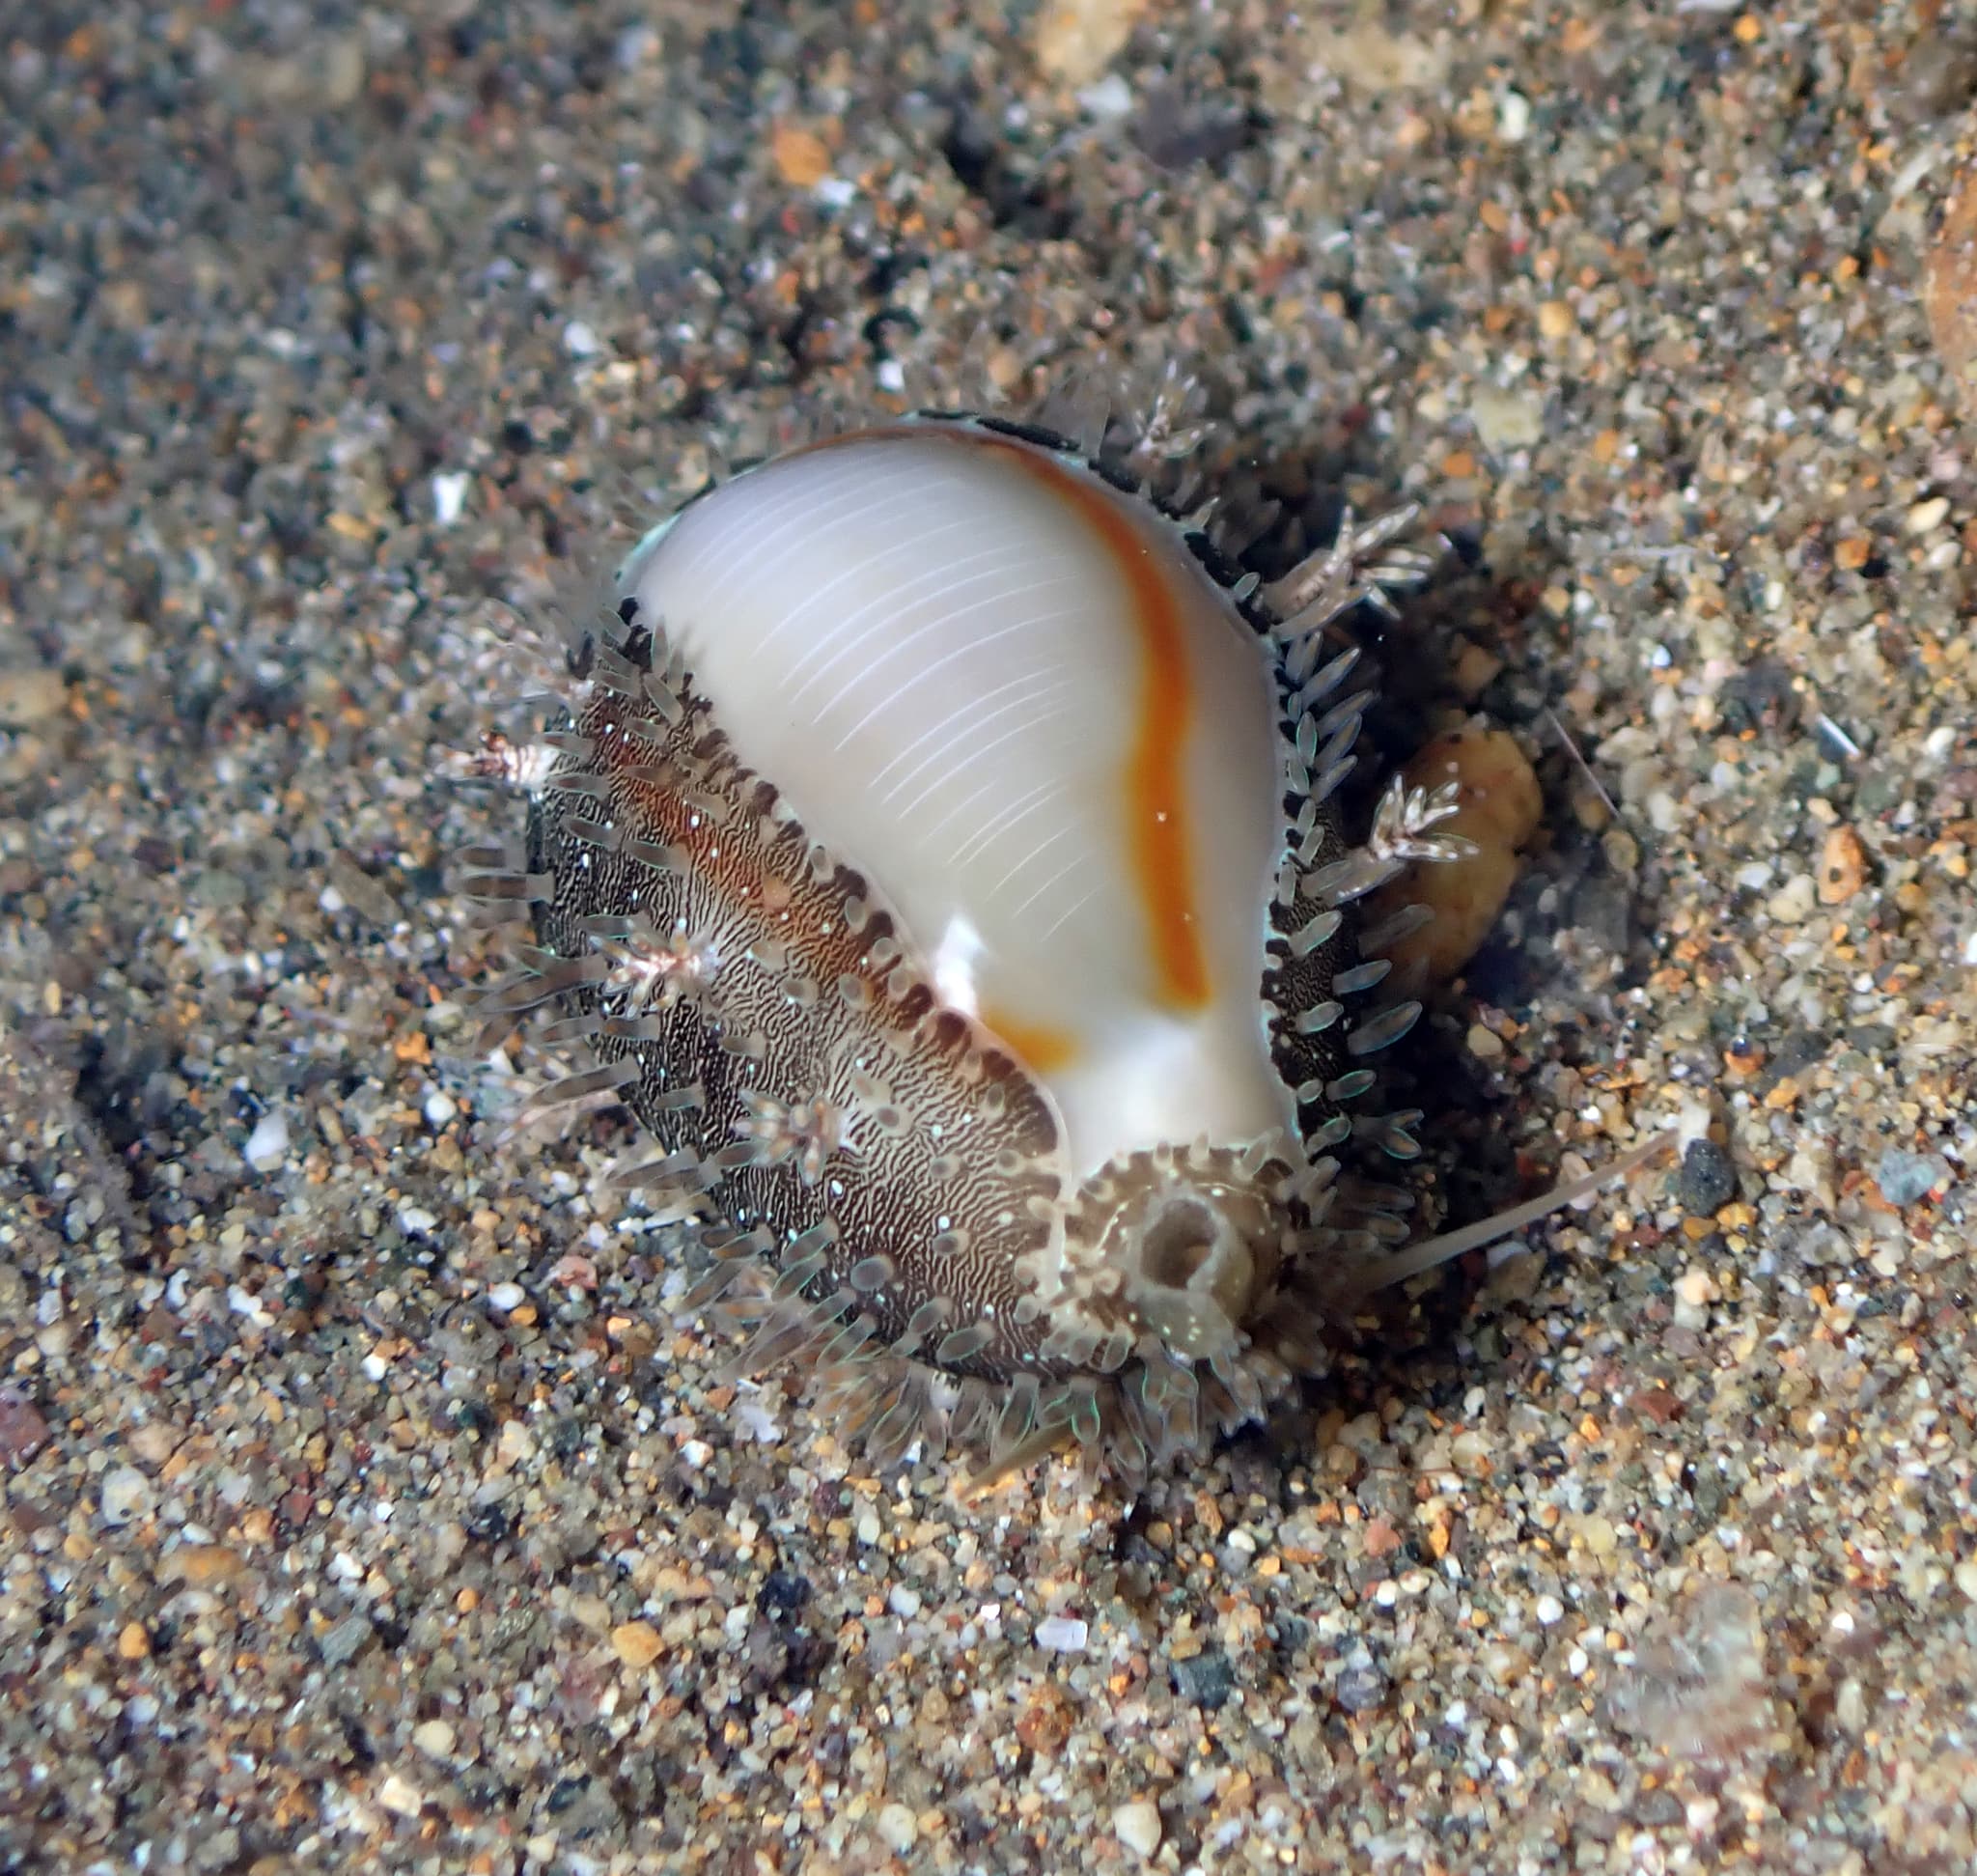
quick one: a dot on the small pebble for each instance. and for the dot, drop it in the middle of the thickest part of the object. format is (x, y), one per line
(801, 157)
(898, 1828)
(1841, 867)
(267, 1146)
(507, 1296)
(126, 1494)
(1697, 1289)
(342, 1643)
(1208, 1679)
(1794, 902)
(449, 497)
(435, 1738)
(1361, 1688)
(22, 1430)
(400, 1796)
(1474, 671)
(29, 696)
(155, 1441)
(1708, 1179)
(133, 1641)
(1065, 1633)
(202, 1565)
(1908, 1178)
(1110, 97)
(1137, 1826)
(1374, 59)
(636, 1645)
(1076, 39)
(1622, 850)
(1506, 420)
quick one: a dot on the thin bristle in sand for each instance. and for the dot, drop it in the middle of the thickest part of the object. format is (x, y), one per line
(1430, 1252)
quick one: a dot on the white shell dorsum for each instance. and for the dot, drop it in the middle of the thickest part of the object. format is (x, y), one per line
(1009, 696)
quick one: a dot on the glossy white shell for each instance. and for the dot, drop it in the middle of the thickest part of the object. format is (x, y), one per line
(1010, 696)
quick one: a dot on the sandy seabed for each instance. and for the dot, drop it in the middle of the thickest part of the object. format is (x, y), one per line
(366, 1504)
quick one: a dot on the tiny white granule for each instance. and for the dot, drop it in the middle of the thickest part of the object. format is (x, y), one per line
(1066, 1634)
(449, 497)
(267, 1146)
(1110, 97)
